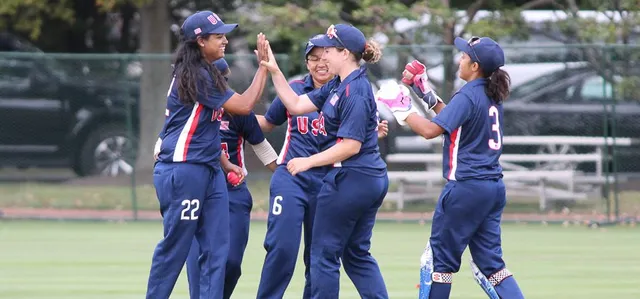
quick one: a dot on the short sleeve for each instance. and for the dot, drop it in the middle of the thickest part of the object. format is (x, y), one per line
(354, 114)
(251, 129)
(277, 113)
(210, 95)
(319, 96)
(456, 113)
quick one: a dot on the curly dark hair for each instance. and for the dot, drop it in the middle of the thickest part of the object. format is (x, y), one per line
(187, 63)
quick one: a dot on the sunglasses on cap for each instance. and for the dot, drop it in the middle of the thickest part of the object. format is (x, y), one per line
(332, 33)
(473, 41)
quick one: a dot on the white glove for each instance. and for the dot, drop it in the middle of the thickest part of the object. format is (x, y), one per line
(397, 98)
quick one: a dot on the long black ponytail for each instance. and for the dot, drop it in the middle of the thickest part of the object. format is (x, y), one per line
(499, 85)
(187, 63)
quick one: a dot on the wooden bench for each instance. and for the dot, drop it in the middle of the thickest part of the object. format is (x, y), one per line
(510, 159)
(510, 163)
(540, 178)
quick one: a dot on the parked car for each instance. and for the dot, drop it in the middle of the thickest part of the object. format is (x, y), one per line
(573, 102)
(565, 99)
(51, 117)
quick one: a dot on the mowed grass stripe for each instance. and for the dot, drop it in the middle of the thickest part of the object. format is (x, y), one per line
(111, 260)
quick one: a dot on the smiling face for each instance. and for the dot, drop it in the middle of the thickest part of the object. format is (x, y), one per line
(335, 59)
(317, 68)
(213, 46)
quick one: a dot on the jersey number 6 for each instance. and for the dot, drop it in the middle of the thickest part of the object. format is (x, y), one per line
(277, 207)
(495, 127)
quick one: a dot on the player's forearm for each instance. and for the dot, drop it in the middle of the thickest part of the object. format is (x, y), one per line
(341, 151)
(252, 94)
(289, 98)
(265, 125)
(423, 126)
(272, 166)
(225, 164)
(437, 108)
(263, 80)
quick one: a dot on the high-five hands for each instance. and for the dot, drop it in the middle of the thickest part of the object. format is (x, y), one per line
(262, 48)
(270, 63)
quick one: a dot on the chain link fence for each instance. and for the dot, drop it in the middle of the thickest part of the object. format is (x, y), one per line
(69, 128)
(572, 108)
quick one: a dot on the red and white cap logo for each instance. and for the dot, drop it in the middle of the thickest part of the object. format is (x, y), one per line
(332, 32)
(212, 19)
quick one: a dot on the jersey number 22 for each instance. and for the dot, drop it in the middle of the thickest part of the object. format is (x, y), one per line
(495, 144)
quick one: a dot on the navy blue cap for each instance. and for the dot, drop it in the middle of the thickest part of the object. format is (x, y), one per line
(343, 36)
(221, 65)
(483, 50)
(203, 23)
(312, 44)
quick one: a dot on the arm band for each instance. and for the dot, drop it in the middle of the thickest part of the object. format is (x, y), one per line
(265, 152)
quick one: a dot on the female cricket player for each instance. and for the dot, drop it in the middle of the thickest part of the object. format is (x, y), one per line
(189, 182)
(234, 131)
(355, 185)
(293, 198)
(471, 204)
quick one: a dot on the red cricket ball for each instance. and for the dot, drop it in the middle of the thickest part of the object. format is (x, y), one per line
(233, 178)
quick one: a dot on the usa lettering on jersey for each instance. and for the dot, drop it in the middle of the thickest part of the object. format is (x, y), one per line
(317, 125)
(217, 115)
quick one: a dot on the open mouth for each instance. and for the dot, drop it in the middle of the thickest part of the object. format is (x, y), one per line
(322, 71)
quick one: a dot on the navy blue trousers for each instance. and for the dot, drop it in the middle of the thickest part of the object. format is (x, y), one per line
(292, 202)
(193, 203)
(342, 230)
(468, 213)
(240, 204)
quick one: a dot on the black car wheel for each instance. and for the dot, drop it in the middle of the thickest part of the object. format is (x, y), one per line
(107, 151)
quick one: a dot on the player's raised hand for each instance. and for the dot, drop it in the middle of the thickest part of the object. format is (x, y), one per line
(415, 76)
(262, 51)
(383, 129)
(271, 64)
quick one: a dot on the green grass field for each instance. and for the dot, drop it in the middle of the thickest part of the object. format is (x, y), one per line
(73, 260)
(61, 196)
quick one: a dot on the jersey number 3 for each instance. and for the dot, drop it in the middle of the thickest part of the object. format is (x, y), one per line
(495, 144)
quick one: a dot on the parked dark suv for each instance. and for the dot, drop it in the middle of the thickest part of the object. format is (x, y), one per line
(53, 117)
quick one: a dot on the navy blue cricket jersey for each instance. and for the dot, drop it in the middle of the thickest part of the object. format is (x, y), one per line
(349, 111)
(473, 138)
(235, 130)
(303, 131)
(191, 133)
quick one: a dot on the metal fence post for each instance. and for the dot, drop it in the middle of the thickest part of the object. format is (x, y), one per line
(134, 195)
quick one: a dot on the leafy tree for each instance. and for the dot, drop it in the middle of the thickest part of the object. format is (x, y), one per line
(614, 23)
(30, 16)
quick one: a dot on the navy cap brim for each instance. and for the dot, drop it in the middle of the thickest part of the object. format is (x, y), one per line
(308, 50)
(326, 41)
(224, 29)
(462, 45)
